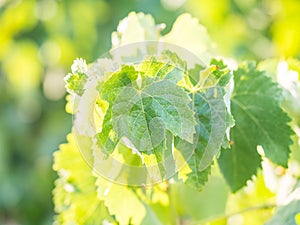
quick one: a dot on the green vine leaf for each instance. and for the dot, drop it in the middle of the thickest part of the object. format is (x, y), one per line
(144, 112)
(121, 201)
(136, 27)
(213, 119)
(288, 214)
(75, 193)
(189, 34)
(255, 105)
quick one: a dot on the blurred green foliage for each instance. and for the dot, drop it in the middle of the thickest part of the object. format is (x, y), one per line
(39, 39)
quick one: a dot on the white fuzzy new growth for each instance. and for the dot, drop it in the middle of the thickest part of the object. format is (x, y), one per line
(79, 66)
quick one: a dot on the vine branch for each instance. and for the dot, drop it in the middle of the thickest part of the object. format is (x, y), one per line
(226, 216)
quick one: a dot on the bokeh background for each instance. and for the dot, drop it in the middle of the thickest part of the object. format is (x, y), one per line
(39, 41)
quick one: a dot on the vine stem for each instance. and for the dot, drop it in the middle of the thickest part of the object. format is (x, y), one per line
(226, 216)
